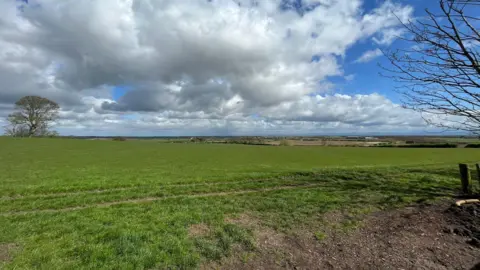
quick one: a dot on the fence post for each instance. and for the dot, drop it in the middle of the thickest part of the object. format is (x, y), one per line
(478, 172)
(466, 178)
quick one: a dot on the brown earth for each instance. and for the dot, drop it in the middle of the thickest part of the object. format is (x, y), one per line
(5, 252)
(465, 221)
(424, 236)
(200, 229)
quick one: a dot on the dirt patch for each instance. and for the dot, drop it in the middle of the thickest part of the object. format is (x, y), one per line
(409, 238)
(264, 236)
(465, 221)
(244, 220)
(196, 230)
(6, 252)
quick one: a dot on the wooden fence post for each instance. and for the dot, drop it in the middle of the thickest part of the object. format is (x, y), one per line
(466, 178)
(478, 172)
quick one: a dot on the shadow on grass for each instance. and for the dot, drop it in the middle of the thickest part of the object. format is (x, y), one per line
(351, 190)
(447, 172)
(393, 185)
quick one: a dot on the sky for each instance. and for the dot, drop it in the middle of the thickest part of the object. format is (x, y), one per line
(208, 67)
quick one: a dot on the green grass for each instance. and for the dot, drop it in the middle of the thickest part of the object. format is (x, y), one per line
(320, 236)
(72, 204)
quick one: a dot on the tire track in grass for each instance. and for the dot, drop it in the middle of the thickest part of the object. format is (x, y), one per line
(61, 194)
(100, 191)
(315, 170)
(152, 199)
(87, 199)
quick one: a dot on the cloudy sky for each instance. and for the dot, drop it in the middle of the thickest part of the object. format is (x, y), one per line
(207, 67)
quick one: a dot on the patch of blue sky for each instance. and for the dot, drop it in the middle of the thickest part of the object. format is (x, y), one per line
(367, 75)
(119, 91)
(130, 116)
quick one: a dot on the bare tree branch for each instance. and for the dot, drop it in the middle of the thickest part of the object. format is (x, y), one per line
(439, 71)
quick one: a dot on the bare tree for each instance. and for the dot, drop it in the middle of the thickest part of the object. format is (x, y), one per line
(438, 72)
(33, 117)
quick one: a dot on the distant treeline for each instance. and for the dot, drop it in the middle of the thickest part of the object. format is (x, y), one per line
(430, 145)
(247, 140)
(473, 145)
(423, 145)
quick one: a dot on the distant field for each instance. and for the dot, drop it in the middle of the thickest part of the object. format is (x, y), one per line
(68, 203)
(457, 140)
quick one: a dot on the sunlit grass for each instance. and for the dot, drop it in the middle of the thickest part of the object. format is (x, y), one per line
(71, 204)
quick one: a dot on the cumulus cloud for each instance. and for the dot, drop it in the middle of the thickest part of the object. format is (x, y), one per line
(183, 61)
(359, 110)
(320, 114)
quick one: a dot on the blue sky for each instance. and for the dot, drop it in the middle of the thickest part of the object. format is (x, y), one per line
(367, 78)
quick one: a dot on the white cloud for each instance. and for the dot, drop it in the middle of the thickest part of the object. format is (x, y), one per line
(183, 60)
(388, 36)
(361, 110)
(350, 77)
(318, 114)
(369, 56)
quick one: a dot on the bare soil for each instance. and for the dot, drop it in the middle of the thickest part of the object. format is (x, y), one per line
(423, 236)
(197, 230)
(5, 252)
(465, 221)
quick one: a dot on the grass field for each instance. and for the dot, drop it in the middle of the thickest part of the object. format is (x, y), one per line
(78, 204)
